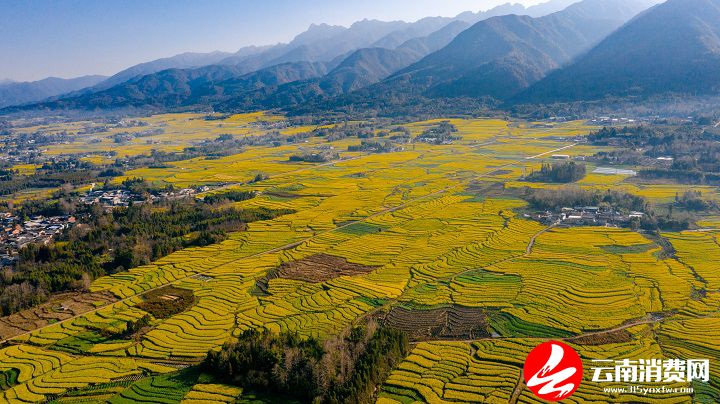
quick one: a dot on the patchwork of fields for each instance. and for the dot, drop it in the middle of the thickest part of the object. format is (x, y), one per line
(429, 243)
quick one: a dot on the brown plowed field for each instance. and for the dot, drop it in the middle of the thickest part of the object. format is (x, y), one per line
(314, 269)
(455, 322)
(60, 307)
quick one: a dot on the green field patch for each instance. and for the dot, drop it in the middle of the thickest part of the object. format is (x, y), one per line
(8, 378)
(356, 175)
(564, 264)
(507, 325)
(482, 190)
(359, 228)
(279, 196)
(481, 276)
(372, 301)
(80, 343)
(288, 188)
(403, 395)
(164, 389)
(704, 392)
(100, 393)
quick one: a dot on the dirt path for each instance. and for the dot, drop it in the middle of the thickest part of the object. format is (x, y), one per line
(431, 195)
(483, 144)
(519, 386)
(531, 244)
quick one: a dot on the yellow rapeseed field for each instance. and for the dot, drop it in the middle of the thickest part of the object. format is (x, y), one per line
(427, 240)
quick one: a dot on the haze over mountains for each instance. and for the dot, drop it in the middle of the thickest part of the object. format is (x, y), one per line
(182, 61)
(14, 93)
(321, 42)
(675, 47)
(502, 55)
(559, 51)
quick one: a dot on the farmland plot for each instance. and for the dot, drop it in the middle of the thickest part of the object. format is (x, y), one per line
(395, 237)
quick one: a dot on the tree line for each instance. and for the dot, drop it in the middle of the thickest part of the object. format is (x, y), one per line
(441, 133)
(571, 196)
(562, 173)
(344, 369)
(108, 242)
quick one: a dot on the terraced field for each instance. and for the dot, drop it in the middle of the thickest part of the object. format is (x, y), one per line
(487, 372)
(405, 237)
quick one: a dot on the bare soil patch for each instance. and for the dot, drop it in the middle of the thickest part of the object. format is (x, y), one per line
(500, 172)
(320, 268)
(167, 301)
(60, 307)
(314, 269)
(452, 323)
(610, 337)
(490, 189)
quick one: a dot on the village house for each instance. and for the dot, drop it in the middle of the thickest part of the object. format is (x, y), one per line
(587, 216)
(17, 233)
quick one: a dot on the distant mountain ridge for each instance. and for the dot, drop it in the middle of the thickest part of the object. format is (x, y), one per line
(501, 56)
(359, 70)
(673, 47)
(324, 43)
(182, 87)
(498, 56)
(181, 61)
(15, 93)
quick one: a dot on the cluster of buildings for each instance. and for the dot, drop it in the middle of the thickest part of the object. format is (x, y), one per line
(269, 125)
(587, 216)
(435, 141)
(17, 233)
(20, 156)
(180, 194)
(111, 198)
(122, 198)
(575, 139)
(608, 121)
(597, 120)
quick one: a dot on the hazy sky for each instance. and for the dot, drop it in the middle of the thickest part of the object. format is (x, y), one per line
(69, 38)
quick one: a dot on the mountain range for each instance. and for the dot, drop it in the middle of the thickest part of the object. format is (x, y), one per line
(320, 43)
(15, 93)
(674, 47)
(587, 50)
(501, 56)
